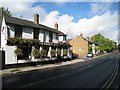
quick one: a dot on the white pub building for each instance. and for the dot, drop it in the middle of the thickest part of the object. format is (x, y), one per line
(30, 36)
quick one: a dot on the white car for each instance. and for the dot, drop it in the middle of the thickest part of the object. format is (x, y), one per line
(90, 55)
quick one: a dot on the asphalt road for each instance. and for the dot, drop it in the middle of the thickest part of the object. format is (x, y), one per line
(92, 74)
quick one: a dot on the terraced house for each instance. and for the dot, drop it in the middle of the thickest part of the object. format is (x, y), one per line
(28, 41)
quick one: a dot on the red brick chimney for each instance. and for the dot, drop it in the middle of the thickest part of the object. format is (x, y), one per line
(36, 18)
(81, 35)
(88, 38)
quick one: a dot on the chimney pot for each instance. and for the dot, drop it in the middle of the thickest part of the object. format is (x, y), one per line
(36, 18)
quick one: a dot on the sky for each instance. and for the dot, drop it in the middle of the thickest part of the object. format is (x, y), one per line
(73, 18)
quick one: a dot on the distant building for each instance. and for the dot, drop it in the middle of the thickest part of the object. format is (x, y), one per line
(80, 45)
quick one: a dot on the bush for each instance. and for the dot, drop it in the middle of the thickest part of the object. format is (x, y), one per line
(22, 41)
(36, 42)
(53, 52)
(11, 41)
(64, 43)
(30, 41)
(75, 55)
(35, 53)
(58, 52)
(89, 49)
(70, 51)
(65, 51)
(43, 53)
(18, 52)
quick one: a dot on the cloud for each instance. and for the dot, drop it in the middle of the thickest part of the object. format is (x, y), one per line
(24, 9)
(104, 24)
(99, 8)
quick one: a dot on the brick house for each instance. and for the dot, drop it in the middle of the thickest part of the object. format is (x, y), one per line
(80, 45)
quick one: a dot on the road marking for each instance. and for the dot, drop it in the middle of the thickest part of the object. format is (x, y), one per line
(111, 79)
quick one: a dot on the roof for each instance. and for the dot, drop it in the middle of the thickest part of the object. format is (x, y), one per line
(62, 34)
(68, 40)
(23, 22)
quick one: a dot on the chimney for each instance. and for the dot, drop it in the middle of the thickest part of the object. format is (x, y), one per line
(88, 38)
(36, 18)
(81, 35)
(56, 26)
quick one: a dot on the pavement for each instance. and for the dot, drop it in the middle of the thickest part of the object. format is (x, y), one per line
(37, 67)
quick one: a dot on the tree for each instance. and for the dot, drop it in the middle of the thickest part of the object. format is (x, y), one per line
(89, 49)
(5, 12)
(105, 43)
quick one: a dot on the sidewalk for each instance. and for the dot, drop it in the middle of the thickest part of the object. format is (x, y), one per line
(37, 67)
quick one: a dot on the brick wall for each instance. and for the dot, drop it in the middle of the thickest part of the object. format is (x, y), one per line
(79, 45)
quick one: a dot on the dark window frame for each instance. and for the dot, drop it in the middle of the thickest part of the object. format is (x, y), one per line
(64, 38)
(36, 33)
(50, 36)
(44, 37)
(18, 31)
(57, 36)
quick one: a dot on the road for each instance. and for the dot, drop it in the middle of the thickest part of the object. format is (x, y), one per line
(91, 74)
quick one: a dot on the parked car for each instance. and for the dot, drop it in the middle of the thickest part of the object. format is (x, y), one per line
(90, 55)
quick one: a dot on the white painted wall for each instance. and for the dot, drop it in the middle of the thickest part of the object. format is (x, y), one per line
(54, 38)
(10, 57)
(41, 35)
(27, 32)
(60, 38)
(3, 35)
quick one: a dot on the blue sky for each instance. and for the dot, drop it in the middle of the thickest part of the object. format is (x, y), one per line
(76, 9)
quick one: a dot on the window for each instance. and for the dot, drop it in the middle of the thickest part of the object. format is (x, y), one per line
(56, 36)
(44, 38)
(8, 31)
(50, 36)
(64, 38)
(36, 34)
(18, 31)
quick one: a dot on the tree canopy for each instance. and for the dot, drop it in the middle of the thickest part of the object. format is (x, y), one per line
(5, 12)
(105, 43)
